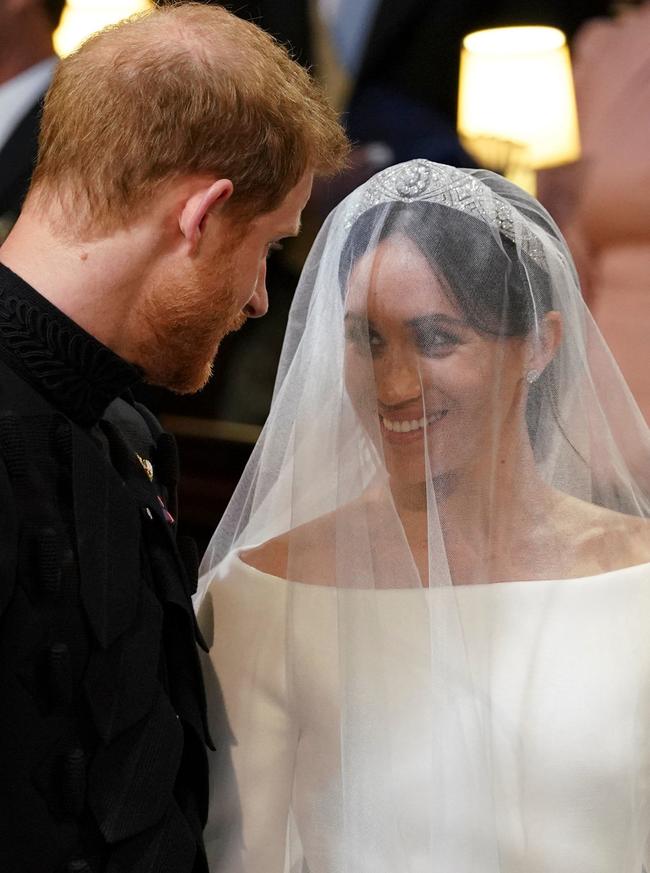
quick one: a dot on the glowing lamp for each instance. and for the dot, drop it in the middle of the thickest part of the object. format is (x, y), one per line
(82, 18)
(516, 103)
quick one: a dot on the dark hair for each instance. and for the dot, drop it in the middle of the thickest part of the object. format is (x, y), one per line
(53, 9)
(498, 290)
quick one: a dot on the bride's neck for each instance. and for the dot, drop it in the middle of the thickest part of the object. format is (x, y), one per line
(485, 502)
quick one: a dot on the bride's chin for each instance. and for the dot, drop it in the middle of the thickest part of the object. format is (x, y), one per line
(414, 467)
(403, 473)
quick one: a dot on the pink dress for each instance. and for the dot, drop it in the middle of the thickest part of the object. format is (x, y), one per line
(603, 202)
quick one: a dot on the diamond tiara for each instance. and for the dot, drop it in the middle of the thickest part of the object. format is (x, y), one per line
(449, 186)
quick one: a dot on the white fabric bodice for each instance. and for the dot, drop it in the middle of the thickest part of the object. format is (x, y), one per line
(558, 704)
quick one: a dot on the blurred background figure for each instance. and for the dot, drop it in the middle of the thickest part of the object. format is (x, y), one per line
(602, 202)
(27, 62)
(391, 66)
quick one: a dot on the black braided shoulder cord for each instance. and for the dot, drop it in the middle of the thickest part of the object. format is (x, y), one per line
(61, 360)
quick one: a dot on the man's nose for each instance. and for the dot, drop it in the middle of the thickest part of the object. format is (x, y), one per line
(258, 305)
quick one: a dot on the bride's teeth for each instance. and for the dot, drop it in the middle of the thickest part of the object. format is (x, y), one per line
(413, 424)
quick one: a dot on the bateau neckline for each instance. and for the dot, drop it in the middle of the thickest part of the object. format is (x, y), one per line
(235, 558)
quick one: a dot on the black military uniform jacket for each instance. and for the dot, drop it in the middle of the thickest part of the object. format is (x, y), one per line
(102, 711)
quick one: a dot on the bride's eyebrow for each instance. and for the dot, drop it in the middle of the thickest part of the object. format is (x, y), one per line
(434, 320)
(420, 322)
(360, 321)
(357, 317)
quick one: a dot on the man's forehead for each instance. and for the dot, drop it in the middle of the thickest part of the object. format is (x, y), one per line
(296, 200)
(285, 219)
(279, 225)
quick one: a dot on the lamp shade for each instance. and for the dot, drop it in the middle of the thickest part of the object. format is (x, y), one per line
(516, 87)
(82, 18)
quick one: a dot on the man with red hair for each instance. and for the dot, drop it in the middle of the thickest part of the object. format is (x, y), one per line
(176, 150)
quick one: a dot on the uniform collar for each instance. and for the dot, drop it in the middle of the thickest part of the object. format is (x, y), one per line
(70, 367)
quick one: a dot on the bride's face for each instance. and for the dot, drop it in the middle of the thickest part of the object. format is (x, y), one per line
(419, 375)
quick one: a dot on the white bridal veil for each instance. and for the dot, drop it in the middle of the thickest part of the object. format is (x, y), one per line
(450, 445)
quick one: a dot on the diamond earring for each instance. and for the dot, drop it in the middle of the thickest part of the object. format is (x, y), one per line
(532, 376)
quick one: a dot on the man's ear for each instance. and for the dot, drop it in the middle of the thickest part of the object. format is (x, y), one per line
(546, 341)
(197, 206)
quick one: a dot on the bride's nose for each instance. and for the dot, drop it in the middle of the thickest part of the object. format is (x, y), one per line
(398, 380)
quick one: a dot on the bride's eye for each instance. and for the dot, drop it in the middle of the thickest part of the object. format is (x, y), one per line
(435, 343)
(363, 337)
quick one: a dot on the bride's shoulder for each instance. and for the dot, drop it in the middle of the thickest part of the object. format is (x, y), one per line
(627, 537)
(310, 547)
(270, 558)
(308, 552)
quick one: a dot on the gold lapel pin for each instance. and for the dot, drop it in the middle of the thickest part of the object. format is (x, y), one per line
(147, 466)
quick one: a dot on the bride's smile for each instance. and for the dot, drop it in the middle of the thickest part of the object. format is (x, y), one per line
(418, 368)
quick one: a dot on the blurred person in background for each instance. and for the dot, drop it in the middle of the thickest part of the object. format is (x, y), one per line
(602, 202)
(176, 150)
(391, 66)
(27, 62)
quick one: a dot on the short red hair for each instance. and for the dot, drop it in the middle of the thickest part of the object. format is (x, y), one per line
(183, 89)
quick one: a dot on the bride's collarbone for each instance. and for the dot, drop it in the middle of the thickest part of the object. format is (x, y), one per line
(576, 539)
(609, 540)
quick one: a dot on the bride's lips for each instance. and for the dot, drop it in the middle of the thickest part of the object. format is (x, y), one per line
(400, 430)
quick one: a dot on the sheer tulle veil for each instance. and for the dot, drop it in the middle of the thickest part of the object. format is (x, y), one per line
(446, 414)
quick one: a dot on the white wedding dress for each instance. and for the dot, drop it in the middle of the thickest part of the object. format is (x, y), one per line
(445, 412)
(561, 673)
